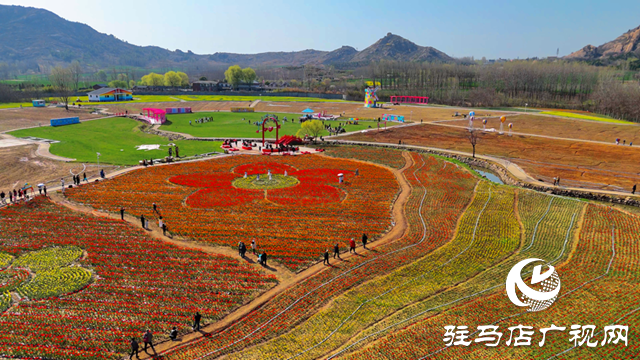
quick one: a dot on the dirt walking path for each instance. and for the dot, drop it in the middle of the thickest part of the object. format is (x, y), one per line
(286, 281)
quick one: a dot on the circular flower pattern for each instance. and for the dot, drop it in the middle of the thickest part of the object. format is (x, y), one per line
(288, 186)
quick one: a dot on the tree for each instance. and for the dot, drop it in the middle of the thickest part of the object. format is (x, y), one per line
(234, 75)
(184, 78)
(473, 140)
(132, 83)
(311, 128)
(76, 72)
(203, 78)
(153, 79)
(171, 78)
(62, 83)
(248, 75)
(102, 76)
(118, 84)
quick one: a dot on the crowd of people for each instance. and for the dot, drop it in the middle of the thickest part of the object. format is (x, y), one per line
(624, 142)
(262, 256)
(202, 120)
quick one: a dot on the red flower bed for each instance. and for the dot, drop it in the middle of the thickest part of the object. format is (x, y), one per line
(138, 283)
(293, 225)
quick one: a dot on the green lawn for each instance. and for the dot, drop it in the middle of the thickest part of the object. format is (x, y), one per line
(231, 125)
(115, 139)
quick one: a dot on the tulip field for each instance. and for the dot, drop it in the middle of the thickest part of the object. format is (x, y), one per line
(294, 224)
(98, 282)
(77, 286)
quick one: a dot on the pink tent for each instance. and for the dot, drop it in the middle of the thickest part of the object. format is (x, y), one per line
(159, 115)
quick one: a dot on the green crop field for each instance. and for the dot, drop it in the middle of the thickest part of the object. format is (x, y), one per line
(114, 138)
(228, 125)
(594, 117)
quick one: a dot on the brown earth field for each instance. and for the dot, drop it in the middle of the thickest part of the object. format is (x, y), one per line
(21, 165)
(578, 164)
(561, 127)
(357, 110)
(194, 105)
(11, 119)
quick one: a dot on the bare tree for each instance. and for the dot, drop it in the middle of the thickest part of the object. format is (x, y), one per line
(76, 73)
(473, 140)
(62, 83)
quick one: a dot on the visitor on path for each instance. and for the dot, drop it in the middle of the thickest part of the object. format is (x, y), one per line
(170, 151)
(44, 188)
(148, 341)
(196, 321)
(155, 208)
(84, 177)
(264, 258)
(364, 240)
(253, 246)
(633, 190)
(10, 196)
(122, 213)
(142, 221)
(177, 151)
(102, 173)
(40, 190)
(352, 246)
(134, 348)
(62, 185)
(558, 182)
(164, 229)
(617, 141)
(336, 251)
(173, 335)
(2, 195)
(326, 257)
(555, 181)
(160, 223)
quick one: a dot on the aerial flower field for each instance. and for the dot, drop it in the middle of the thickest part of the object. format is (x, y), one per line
(86, 285)
(294, 224)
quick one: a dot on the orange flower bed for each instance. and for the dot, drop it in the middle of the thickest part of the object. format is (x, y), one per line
(293, 225)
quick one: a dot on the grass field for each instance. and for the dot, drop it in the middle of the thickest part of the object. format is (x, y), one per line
(227, 125)
(115, 139)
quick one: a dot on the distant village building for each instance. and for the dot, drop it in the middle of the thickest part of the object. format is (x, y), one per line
(99, 86)
(110, 94)
(210, 86)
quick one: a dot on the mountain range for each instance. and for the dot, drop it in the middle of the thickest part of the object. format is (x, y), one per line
(40, 37)
(626, 43)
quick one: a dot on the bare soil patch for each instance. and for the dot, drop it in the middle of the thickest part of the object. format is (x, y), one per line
(21, 165)
(564, 128)
(11, 119)
(578, 164)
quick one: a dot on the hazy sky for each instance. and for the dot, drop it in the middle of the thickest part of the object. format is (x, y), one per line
(497, 28)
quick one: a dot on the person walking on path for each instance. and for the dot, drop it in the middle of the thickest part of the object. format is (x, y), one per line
(558, 182)
(142, 221)
(122, 213)
(62, 185)
(336, 251)
(264, 258)
(170, 151)
(40, 190)
(352, 246)
(196, 321)
(10, 196)
(160, 223)
(155, 208)
(102, 173)
(164, 229)
(148, 341)
(2, 195)
(633, 191)
(364, 240)
(326, 257)
(177, 151)
(84, 177)
(44, 188)
(240, 246)
(173, 335)
(134, 348)
(253, 246)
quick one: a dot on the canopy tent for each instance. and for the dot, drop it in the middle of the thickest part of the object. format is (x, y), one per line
(155, 116)
(307, 111)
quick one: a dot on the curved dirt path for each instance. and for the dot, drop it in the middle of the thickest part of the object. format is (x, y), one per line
(394, 234)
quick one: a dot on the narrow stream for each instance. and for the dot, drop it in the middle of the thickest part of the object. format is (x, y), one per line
(489, 176)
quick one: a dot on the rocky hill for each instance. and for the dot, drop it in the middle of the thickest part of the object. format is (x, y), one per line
(626, 43)
(394, 47)
(42, 39)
